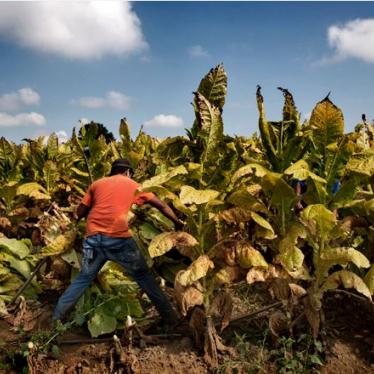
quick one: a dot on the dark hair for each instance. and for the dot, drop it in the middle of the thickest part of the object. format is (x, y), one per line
(120, 166)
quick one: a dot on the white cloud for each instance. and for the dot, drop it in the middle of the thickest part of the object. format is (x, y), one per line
(73, 29)
(353, 39)
(197, 51)
(22, 119)
(62, 136)
(164, 120)
(84, 121)
(15, 100)
(112, 99)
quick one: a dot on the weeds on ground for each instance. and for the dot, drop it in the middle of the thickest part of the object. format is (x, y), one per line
(298, 356)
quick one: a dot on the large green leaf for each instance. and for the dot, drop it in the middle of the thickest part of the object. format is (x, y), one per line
(327, 124)
(21, 266)
(347, 279)
(190, 195)
(101, 324)
(19, 248)
(162, 243)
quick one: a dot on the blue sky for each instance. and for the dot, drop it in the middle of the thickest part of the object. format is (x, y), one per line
(143, 60)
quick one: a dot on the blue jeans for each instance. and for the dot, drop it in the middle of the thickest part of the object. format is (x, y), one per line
(97, 249)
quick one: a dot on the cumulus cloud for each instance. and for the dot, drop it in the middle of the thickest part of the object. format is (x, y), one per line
(112, 99)
(84, 120)
(62, 136)
(15, 100)
(197, 51)
(353, 39)
(73, 29)
(22, 119)
(164, 120)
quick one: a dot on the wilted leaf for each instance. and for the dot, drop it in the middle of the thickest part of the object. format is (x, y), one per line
(264, 274)
(228, 275)
(190, 195)
(60, 244)
(236, 215)
(222, 306)
(198, 269)
(347, 279)
(344, 255)
(188, 297)
(162, 243)
(247, 256)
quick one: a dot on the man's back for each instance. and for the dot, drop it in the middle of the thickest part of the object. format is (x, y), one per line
(110, 200)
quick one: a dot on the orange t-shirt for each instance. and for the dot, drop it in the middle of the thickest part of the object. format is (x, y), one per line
(109, 200)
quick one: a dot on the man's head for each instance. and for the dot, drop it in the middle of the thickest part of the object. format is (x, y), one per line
(122, 166)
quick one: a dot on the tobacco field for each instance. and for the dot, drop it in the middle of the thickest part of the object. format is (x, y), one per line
(272, 273)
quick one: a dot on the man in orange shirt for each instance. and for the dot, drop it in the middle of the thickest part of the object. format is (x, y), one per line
(106, 205)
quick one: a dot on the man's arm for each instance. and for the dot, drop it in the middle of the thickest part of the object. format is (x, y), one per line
(82, 211)
(166, 211)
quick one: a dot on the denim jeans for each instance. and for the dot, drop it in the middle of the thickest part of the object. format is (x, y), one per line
(97, 249)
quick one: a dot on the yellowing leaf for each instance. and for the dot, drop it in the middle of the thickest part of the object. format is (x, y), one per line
(197, 270)
(162, 243)
(291, 258)
(319, 220)
(256, 274)
(262, 222)
(327, 124)
(101, 324)
(344, 255)
(369, 279)
(228, 275)
(190, 195)
(33, 190)
(164, 177)
(347, 279)
(247, 256)
(252, 168)
(300, 170)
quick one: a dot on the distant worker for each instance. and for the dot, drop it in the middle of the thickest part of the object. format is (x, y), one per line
(106, 205)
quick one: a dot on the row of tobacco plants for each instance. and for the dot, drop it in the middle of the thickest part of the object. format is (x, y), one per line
(292, 206)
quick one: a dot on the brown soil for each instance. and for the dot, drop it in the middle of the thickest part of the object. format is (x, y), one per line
(347, 334)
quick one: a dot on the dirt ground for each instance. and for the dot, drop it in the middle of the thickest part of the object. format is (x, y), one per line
(347, 334)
